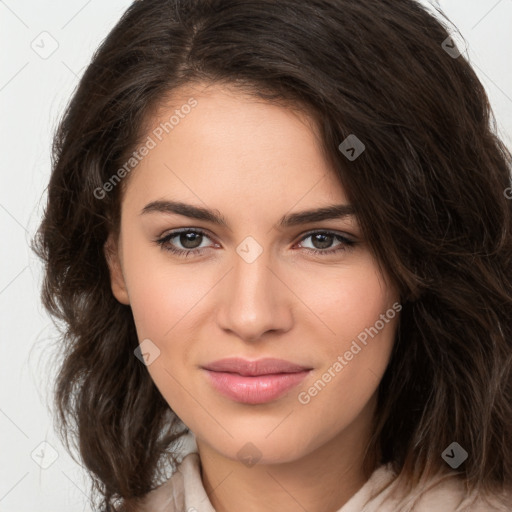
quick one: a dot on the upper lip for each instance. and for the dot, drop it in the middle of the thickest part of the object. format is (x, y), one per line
(267, 366)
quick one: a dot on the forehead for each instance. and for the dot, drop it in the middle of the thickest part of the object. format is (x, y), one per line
(217, 144)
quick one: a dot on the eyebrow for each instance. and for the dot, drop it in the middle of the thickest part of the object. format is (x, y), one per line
(336, 211)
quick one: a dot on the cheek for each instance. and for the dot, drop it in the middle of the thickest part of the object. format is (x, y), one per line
(348, 299)
(164, 299)
(357, 307)
(343, 386)
(163, 295)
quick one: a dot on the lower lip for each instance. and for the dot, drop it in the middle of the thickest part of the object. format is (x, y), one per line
(255, 390)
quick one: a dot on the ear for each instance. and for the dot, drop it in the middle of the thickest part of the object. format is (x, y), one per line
(117, 282)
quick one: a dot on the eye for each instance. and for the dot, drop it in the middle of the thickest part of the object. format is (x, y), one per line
(189, 238)
(323, 242)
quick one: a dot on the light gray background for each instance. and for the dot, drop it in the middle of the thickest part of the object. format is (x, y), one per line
(34, 89)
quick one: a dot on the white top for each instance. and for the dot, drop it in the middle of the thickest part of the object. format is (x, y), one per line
(184, 492)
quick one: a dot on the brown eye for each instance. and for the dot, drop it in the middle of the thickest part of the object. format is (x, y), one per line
(322, 240)
(327, 242)
(190, 241)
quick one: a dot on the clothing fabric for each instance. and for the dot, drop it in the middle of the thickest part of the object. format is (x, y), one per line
(184, 492)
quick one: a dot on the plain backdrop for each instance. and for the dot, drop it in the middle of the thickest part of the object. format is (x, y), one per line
(45, 48)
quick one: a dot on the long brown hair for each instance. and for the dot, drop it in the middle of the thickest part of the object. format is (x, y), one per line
(428, 189)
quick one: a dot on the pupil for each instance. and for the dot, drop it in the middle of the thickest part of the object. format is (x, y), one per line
(324, 239)
(188, 240)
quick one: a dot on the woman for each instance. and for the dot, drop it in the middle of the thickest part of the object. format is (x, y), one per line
(278, 231)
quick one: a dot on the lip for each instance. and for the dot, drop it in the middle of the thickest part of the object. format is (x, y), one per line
(254, 382)
(266, 366)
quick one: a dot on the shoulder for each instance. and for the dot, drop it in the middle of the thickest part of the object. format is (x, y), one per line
(449, 492)
(170, 495)
(444, 492)
(167, 497)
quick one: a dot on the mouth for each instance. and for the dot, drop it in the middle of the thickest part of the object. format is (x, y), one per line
(254, 382)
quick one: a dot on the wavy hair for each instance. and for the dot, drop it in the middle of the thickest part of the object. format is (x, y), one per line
(428, 191)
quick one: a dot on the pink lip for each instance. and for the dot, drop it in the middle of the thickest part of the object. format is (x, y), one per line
(254, 382)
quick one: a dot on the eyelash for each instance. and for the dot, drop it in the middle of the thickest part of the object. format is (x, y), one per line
(346, 244)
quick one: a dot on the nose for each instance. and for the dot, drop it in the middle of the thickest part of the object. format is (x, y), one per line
(255, 300)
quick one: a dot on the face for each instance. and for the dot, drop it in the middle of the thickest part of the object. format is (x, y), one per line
(262, 282)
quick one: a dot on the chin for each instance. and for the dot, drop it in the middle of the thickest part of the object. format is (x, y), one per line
(255, 446)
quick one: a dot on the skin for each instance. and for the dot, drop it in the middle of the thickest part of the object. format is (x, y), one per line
(254, 162)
